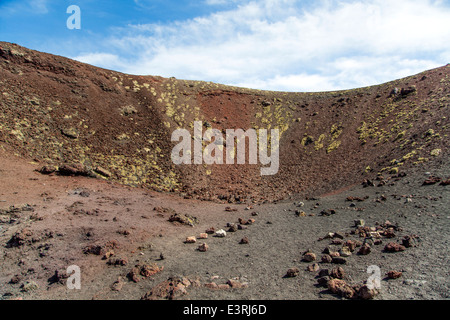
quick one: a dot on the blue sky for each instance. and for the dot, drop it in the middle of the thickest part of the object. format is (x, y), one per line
(288, 45)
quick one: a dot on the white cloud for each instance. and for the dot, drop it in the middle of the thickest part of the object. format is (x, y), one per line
(102, 59)
(279, 45)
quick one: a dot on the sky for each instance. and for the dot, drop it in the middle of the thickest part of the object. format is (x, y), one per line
(281, 45)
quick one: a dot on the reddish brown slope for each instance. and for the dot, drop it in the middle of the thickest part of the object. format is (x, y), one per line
(57, 110)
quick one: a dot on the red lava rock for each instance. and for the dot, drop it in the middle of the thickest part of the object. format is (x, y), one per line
(445, 182)
(389, 233)
(367, 294)
(326, 258)
(250, 221)
(324, 272)
(117, 285)
(211, 230)
(203, 247)
(211, 285)
(394, 274)
(145, 270)
(355, 199)
(15, 279)
(394, 247)
(124, 232)
(47, 169)
(313, 268)
(149, 270)
(118, 262)
(339, 260)
(365, 249)
(229, 209)
(170, 289)
(223, 286)
(367, 183)
(377, 242)
(328, 212)
(431, 181)
(244, 240)
(242, 221)
(350, 244)
(410, 241)
(334, 254)
(108, 254)
(20, 238)
(190, 240)
(340, 287)
(309, 257)
(323, 281)
(133, 275)
(235, 284)
(76, 169)
(292, 273)
(337, 273)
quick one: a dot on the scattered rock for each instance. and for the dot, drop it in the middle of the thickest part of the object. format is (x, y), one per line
(367, 294)
(365, 249)
(367, 183)
(48, 169)
(15, 279)
(309, 257)
(236, 284)
(117, 261)
(292, 273)
(431, 180)
(313, 267)
(203, 247)
(323, 281)
(328, 212)
(144, 271)
(57, 277)
(345, 252)
(359, 223)
(29, 286)
(103, 172)
(337, 273)
(117, 285)
(244, 240)
(338, 260)
(190, 240)
(394, 247)
(340, 287)
(76, 169)
(184, 219)
(410, 241)
(20, 238)
(394, 274)
(221, 233)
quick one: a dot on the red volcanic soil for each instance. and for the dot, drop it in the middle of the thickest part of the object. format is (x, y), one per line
(60, 111)
(86, 179)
